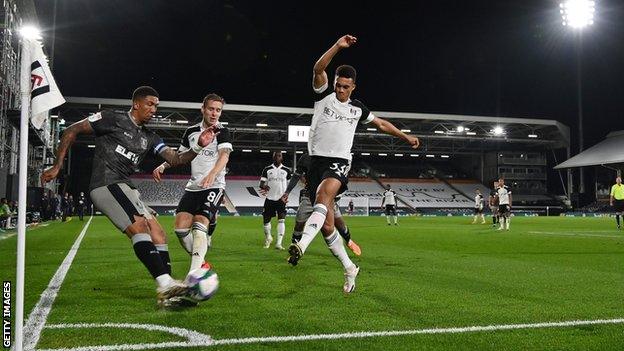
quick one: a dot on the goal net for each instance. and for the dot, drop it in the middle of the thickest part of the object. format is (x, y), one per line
(360, 206)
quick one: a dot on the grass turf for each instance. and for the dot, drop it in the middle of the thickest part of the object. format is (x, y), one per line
(425, 273)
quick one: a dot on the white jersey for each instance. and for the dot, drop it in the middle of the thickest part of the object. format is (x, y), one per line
(389, 197)
(277, 180)
(207, 158)
(503, 195)
(334, 123)
(478, 201)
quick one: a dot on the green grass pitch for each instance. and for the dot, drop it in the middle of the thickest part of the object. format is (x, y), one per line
(426, 273)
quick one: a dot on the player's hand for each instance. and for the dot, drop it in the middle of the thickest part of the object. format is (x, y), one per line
(156, 173)
(284, 198)
(264, 190)
(208, 180)
(207, 136)
(49, 174)
(413, 141)
(346, 41)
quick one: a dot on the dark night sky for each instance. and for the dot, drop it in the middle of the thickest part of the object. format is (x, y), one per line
(508, 58)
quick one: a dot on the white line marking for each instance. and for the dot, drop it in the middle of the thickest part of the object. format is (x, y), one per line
(39, 314)
(579, 234)
(190, 335)
(6, 236)
(278, 339)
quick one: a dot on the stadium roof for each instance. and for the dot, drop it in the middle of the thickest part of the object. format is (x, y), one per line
(439, 133)
(606, 152)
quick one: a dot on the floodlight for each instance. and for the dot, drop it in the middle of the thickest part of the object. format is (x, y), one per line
(406, 130)
(246, 150)
(398, 155)
(371, 129)
(460, 129)
(439, 132)
(414, 155)
(261, 125)
(265, 151)
(471, 133)
(445, 156)
(532, 135)
(365, 154)
(430, 156)
(382, 154)
(577, 14)
(498, 130)
(30, 32)
(91, 146)
(182, 121)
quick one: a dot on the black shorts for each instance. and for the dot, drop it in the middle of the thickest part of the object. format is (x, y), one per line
(327, 167)
(204, 203)
(504, 209)
(273, 208)
(390, 210)
(618, 205)
(478, 210)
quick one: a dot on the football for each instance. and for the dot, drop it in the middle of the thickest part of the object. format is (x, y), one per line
(203, 283)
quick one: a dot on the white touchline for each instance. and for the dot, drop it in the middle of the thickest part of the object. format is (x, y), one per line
(39, 314)
(276, 339)
(576, 234)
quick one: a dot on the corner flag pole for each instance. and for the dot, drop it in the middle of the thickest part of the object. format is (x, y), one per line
(25, 88)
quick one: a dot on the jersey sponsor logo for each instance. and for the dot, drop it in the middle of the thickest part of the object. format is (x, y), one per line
(332, 114)
(143, 143)
(208, 153)
(127, 154)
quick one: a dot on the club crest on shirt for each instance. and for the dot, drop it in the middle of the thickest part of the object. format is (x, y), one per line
(143, 143)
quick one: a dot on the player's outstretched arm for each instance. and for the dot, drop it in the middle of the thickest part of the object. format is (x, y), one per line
(67, 140)
(390, 129)
(224, 157)
(175, 158)
(320, 76)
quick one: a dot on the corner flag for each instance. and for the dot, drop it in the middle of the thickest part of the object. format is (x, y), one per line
(44, 94)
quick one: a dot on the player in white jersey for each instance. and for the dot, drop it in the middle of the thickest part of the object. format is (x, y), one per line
(335, 119)
(478, 207)
(196, 215)
(504, 204)
(388, 204)
(273, 183)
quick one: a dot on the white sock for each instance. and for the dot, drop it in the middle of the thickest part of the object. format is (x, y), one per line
(267, 230)
(185, 239)
(163, 280)
(312, 226)
(281, 230)
(502, 221)
(335, 245)
(507, 221)
(396, 219)
(474, 218)
(200, 245)
(388, 219)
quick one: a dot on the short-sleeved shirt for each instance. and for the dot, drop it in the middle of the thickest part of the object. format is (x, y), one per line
(120, 145)
(617, 191)
(334, 123)
(389, 197)
(276, 177)
(503, 193)
(207, 158)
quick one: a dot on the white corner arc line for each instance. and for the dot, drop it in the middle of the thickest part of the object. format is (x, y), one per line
(190, 335)
(39, 314)
(352, 335)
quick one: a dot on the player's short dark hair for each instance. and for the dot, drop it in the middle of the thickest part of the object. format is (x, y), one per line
(144, 91)
(213, 97)
(346, 71)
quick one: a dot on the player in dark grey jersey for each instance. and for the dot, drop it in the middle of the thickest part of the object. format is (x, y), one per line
(305, 207)
(122, 142)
